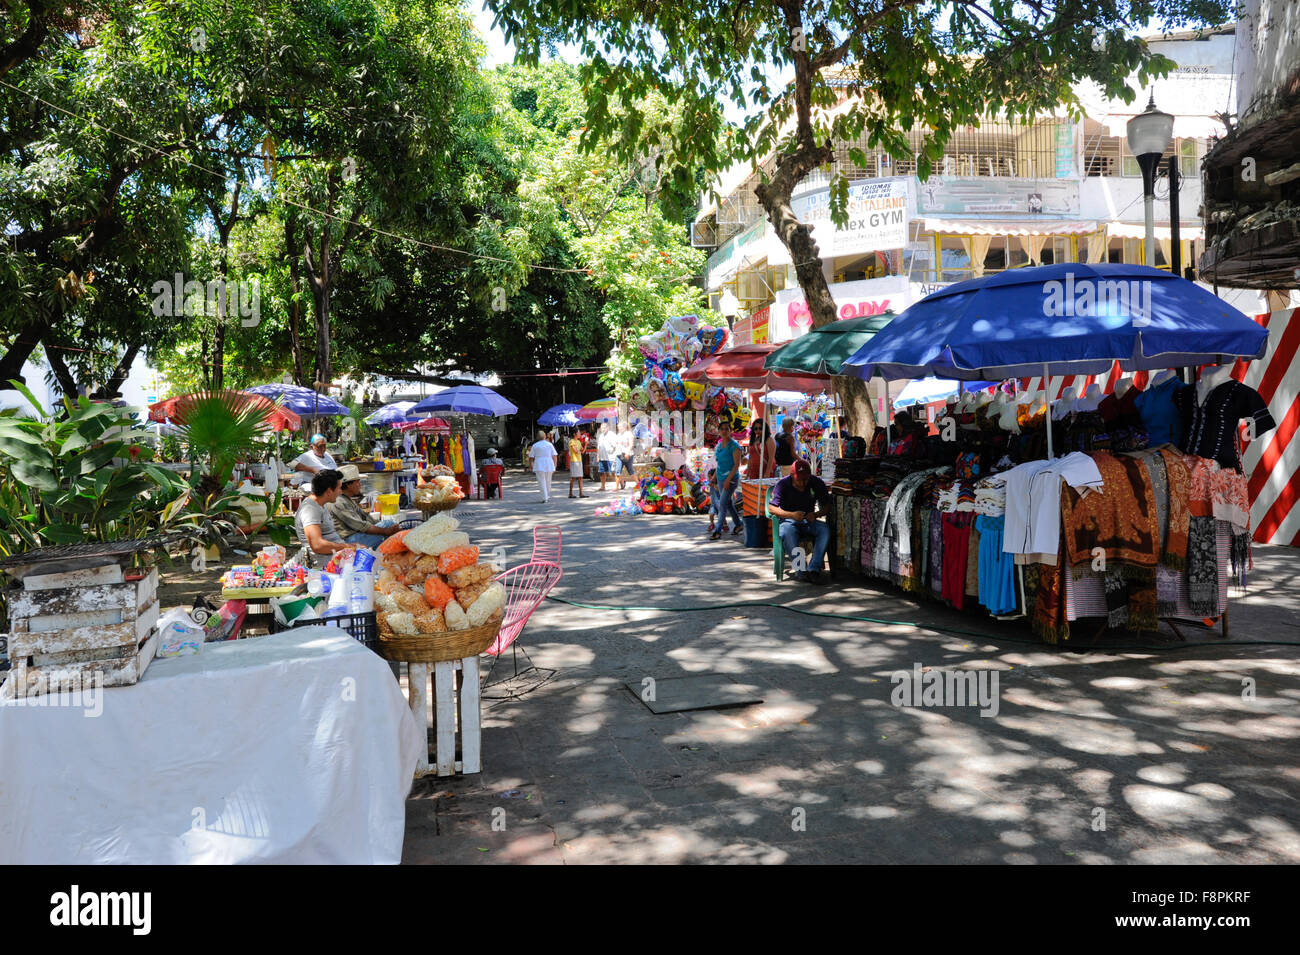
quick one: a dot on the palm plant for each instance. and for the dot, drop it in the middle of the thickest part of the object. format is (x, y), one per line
(222, 428)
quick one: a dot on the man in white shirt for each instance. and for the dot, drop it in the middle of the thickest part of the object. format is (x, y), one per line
(314, 460)
(542, 456)
(623, 453)
(606, 447)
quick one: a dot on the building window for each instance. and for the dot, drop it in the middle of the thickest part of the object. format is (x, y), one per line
(1188, 162)
(1129, 167)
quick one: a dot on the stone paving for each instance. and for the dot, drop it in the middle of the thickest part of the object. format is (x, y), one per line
(1125, 753)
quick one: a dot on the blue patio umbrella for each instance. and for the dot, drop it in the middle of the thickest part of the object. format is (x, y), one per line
(397, 412)
(564, 416)
(1067, 319)
(465, 399)
(301, 401)
(922, 391)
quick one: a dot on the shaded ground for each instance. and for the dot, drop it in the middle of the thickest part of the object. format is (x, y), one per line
(1156, 745)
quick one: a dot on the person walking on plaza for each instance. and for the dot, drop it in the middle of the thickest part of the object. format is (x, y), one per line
(784, 456)
(726, 457)
(798, 500)
(576, 447)
(542, 455)
(624, 455)
(606, 448)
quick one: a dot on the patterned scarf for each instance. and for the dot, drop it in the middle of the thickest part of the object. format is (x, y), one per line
(1203, 567)
(936, 552)
(867, 547)
(1120, 519)
(1160, 488)
(1175, 552)
(1049, 619)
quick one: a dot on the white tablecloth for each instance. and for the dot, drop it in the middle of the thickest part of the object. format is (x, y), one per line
(297, 747)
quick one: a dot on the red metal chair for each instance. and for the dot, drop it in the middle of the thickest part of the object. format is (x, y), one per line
(546, 544)
(489, 475)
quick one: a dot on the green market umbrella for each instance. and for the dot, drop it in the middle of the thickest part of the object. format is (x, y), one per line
(823, 350)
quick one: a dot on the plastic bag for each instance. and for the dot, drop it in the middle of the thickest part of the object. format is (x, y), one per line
(178, 634)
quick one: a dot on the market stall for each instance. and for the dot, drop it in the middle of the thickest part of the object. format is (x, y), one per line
(1143, 519)
(457, 450)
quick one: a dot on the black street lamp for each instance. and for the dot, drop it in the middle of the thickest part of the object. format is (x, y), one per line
(1149, 135)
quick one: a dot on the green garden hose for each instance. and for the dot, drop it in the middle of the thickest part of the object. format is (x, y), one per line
(747, 604)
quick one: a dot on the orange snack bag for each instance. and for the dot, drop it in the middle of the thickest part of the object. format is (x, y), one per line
(394, 545)
(456, 558)
(437, 593)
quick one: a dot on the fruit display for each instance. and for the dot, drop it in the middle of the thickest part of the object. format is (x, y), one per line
(432, 581)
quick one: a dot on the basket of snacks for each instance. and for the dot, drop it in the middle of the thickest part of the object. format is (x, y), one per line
(434, 599)
(441, 492)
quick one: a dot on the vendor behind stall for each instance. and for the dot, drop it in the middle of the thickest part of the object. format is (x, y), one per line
(354, 524)
(314, 460)
(315, 526)
(799, 500)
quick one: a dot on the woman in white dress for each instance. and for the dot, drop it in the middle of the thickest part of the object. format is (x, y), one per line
(542, 455)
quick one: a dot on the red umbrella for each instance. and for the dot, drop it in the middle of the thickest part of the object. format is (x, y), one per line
(742, 367)
(424, 424)
(175, 410)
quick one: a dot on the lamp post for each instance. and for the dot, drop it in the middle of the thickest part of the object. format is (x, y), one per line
(1149, 135)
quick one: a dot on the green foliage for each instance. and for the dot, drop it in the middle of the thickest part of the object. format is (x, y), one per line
(82, 475)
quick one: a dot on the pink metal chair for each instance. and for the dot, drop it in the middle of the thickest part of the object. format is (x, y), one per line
(526, 587)
(546, 544)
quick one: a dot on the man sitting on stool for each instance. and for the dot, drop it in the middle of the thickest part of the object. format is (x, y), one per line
(798, 500)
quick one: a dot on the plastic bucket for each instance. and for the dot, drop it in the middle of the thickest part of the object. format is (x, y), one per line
(388, 504)
(753, 531)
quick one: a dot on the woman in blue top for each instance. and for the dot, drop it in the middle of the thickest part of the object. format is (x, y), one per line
(726, 457)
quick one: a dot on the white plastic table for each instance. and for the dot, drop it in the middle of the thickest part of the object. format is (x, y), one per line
(297, 747)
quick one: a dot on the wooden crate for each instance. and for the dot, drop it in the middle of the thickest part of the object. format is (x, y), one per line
(457, 716)
(79, 624)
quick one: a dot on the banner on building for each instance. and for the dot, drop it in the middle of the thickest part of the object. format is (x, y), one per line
(877, 211)
(982, 195)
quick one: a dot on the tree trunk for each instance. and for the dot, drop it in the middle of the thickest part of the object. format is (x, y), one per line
(62, 375)
(219, 354)
(16, 355)
(110, 388)
(855, 399)
(322, 299)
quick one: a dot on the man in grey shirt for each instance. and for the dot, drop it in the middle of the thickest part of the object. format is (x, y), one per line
(315, 526)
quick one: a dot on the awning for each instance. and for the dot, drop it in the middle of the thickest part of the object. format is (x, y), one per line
(1138, 230)
(1013, 226)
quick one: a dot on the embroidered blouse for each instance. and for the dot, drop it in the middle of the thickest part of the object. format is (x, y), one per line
(1209, 428)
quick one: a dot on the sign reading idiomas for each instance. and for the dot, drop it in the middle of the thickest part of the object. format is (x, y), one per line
(877, 210)
(1119, 299)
